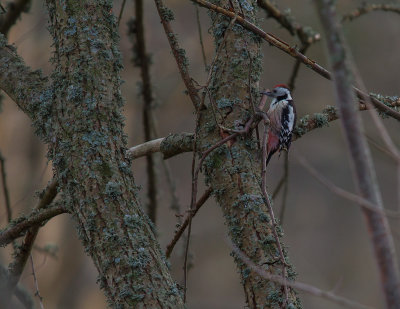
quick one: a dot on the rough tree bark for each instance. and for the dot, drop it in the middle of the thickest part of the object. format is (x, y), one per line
(234, 169)
(79, 117)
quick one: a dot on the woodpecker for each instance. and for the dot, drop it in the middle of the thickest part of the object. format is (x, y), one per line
(282, 117)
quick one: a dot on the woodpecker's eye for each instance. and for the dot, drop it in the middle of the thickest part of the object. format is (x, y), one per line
(274, 91)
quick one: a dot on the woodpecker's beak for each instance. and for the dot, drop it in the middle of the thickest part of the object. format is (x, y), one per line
(267, 93)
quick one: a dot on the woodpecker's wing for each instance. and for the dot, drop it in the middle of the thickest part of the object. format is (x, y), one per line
(288, 121)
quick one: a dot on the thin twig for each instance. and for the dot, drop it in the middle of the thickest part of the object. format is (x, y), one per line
(182, 228)
(398, 187)
(285, 187)
(267, 201)
(192, 203)
(121, 11)
(367, 8)
(278, 187)
(359, 200)
(195, 176)
(203, 52)
(296, 69)
(379, 147)
(309, 289)
(37, 293)
(292, 51)
(5, 188)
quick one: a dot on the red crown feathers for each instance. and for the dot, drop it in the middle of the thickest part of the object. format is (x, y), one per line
(282, 86)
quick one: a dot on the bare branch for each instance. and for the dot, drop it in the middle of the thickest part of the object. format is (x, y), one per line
(19, 226)
(121, 11)
(296, 69)
(37, 293)
(166, 16)
(367, 8)
(364, 172)
(309, 289)
(275, 41)
(21, 256)
(203, 53)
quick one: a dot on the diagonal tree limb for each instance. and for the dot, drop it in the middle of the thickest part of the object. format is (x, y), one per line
(121, 12)
(273, 40)
(21, 225)
(28, 89)
(166, 16)
(363, 168)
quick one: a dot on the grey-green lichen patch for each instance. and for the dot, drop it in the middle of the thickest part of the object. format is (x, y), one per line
(391, 101)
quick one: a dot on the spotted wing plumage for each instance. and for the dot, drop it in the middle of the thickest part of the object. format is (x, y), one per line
(288, 121)
(282, 116)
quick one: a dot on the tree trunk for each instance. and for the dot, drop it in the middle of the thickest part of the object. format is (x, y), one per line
(79, 117)
(234, 169)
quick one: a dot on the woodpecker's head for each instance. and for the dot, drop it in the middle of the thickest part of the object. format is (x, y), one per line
(280, 92)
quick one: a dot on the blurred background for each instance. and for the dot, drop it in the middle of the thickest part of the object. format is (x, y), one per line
(326, 235)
